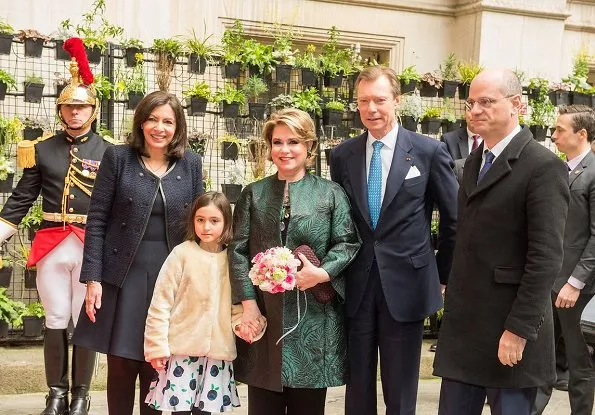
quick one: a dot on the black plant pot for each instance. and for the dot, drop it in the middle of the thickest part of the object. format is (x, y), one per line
(5, 44)
(308, 78)
(357, 120)
(351, 80)
(559, 97)
(130, 56)
(3, 329)
(231, 70)
(333, 81)
(539, 132)
(198, 106)
(407, 88)
(30, 278)
(450, 126)
(282, 73)
(59, 89)
(409, 123)
(231, 191)
(196, 64)
(230, 110)
(256, 110)
(33, 92)
(229, 150)
(427, 90)
(94, 55)
(32, 326)
(449, 89)
(30, 133)
(463, 91)
(31, 233)
(332, 117)
(134, 98)
(5, 276)
(61, 54)
(533, 94)
(255, 71)
(577, 98)
(3, 89)
(6, 185)
(430, 125)
(33, 47)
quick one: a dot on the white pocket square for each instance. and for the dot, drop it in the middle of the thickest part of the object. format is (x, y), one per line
(413, 172)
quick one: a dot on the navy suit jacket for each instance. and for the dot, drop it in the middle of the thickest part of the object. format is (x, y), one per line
(409, 270)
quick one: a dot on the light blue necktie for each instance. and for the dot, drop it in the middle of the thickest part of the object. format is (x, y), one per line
(486, 166)
(375, 183)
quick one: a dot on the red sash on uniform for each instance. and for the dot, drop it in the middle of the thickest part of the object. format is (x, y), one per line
(48, 238)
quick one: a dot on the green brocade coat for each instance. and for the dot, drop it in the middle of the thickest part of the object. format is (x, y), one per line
(314, 355)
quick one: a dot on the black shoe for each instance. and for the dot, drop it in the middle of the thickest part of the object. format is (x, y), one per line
(433, 347)
(79, 405)
(561, 385)
(56, 402)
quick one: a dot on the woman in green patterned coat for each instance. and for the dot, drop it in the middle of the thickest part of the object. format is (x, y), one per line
(292, 208)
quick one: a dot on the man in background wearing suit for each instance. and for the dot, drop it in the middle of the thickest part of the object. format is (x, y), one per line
(496, 337)
(393, 178)
(575, 285)
(459, 142)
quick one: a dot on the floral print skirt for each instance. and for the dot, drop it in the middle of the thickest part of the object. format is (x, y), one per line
(188, 381)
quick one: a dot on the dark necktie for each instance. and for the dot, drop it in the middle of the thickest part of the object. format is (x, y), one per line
(475, 142)
(486, 166)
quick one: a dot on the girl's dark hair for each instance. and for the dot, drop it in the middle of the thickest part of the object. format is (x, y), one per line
(218, 200)
(136, 138)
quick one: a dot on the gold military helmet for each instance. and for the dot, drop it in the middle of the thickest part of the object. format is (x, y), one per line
(80, 91)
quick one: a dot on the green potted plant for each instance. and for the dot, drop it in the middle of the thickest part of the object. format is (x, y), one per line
(309, 65)
(6, 35)
(254, 88)
(60, 81)
(32, 317)
(5, 271)
(232, 44)
(7, 82)
(131, 47)
(559, 93)
(232, 188)
(467, 71)
(331, 60)
(197, 98)
(430, 84)
(332, 113)
(308, 100)
(10, 131)
(449, 119)
(538, 89)
(408, 79)
(103, 87)
(230, 99)
(95, 30)
(200, 53)
(32, 220)
(10, 311)
(281, 101)
(33, 128)
(229, 147)
(578, 79)
(543, 115)
(410, 111)
(329, 144)
(198, 141)
(431, 121)
(136, 83)
(448, 72)
(166, 54)
(6, 175)
(33, 40)
(257, 57)
(283, 53)
(33, 88)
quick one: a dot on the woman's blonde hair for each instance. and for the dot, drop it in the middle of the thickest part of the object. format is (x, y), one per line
(299, 122)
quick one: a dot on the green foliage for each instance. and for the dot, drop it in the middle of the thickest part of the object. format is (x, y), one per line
(8, 79)
(201, 47)
(468, 71)
(283, 50)
(34, 309)
(233, 42)
(102, 86)
(580, 72)
(5, 28)
(5, 168)
(410, 105)
(281, 101)
(33, 78)
(408, 75)
(543, 113)
(254, 87)
(308, 59)
(307, 100)
(230, 94)
(199, 90)
(132, 43)
(541, 86)
(10, 310)
(172, 48)
(33, 218)
(258, 54)
(95, 33)
(10, 131)
(448, 68)
(335, 60)
(335, 105)
(432, 112)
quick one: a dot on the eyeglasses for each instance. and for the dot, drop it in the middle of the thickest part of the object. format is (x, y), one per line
(484, 102)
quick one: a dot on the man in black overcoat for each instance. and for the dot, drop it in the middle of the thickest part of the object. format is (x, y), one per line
(496, 337)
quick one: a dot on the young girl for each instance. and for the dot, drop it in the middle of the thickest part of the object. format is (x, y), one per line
(188, 334)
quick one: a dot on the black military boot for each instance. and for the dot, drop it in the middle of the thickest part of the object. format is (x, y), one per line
(55, 352)
(83, 363)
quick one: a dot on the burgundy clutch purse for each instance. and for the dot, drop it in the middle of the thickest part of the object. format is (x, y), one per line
(323, 292)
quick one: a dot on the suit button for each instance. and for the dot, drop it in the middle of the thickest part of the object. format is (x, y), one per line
(185, 205)
(123, 224)
(71, 210)
(178, 178)
(141, 174)
(115, 251)
(71, 196)
(129, 200)
(76, 150)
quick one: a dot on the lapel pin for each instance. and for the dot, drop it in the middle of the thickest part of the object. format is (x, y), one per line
(408, 158)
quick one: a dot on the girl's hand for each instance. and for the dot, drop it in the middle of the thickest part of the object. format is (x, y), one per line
(309, 275)
(159, 363)
(93, 299)
(251, 321)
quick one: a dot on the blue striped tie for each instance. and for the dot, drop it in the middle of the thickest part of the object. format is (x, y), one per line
(375, 184)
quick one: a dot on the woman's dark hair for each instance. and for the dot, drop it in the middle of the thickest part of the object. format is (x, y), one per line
(218, 200)
(136, 138)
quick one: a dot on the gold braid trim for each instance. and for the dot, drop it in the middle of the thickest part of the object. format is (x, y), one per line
(26, 154)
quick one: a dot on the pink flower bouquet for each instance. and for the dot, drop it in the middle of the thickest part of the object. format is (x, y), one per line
(274, 270)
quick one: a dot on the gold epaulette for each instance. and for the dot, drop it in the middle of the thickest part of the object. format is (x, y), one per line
(26, 150)
(111, 140)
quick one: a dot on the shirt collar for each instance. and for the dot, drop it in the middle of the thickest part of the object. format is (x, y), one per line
(572, 164)
(389, 140)
(499, 148)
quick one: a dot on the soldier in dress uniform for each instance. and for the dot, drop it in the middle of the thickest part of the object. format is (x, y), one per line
(62, 169)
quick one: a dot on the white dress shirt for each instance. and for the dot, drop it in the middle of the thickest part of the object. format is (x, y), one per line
(499, 148)
(470, 140)
(386, 154)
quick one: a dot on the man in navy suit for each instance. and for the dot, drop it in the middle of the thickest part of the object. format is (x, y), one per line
(394, 178)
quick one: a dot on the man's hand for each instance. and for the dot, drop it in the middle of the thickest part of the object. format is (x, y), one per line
(309, 275)
(510, 349)
(567, 297)
(93, 299)
(251, 324)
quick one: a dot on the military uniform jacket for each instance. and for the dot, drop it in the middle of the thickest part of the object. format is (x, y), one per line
(58, 160)
(314, 355)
